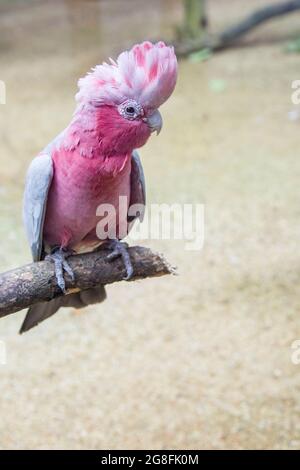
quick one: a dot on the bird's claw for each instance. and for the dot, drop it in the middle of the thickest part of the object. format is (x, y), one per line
(58, 257)
(120, 249)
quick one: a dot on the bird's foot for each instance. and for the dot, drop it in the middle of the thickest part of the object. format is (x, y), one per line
(59, 257)
(120, 249)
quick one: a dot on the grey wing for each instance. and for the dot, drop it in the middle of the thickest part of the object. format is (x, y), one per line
(137, 188)
(38, 181)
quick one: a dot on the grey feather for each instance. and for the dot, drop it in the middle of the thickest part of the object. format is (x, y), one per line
(38, 181)
(137, 185)
(39, 312)
(43, 310)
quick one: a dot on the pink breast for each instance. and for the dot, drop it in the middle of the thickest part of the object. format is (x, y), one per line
(79, 186)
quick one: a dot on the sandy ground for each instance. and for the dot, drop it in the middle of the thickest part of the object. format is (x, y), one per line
(200, 360)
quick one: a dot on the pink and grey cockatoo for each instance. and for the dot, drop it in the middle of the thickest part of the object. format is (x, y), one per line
(94, 161)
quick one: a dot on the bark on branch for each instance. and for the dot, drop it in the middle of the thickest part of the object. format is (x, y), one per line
(229, 35)
(35, 282)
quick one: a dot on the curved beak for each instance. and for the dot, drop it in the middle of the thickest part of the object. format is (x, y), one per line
(154, 122)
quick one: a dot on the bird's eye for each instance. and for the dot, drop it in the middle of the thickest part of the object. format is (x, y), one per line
(130, 110)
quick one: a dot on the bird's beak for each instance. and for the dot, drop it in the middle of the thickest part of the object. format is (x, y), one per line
(154, 122)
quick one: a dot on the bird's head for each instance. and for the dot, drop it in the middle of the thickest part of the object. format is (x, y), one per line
(125, 94)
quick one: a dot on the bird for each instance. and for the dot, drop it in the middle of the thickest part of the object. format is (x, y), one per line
(94, 161)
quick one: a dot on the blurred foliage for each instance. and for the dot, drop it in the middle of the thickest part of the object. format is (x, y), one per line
(217, 85)
(200, 56)
(293, 46)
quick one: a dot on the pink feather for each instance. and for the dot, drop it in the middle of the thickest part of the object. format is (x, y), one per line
(147, 73)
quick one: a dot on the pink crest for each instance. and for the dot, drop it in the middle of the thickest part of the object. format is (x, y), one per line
(147, 73)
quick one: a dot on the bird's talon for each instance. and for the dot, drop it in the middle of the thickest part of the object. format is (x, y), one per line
(58, 257)
(120, 249)
(61, 284)
(129, 274)
(113, 255)
(68, 269)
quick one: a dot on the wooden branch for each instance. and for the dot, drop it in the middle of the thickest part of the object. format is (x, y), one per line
(35, 282)
(229, 35)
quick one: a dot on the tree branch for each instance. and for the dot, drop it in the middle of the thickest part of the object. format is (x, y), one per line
(35, 282)
(234, 32)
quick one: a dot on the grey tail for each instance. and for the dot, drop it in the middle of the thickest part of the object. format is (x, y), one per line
(40, 311)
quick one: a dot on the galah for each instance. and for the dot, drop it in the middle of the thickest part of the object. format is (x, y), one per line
(94, 161)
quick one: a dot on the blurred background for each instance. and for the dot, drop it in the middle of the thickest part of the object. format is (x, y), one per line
(198, 360)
